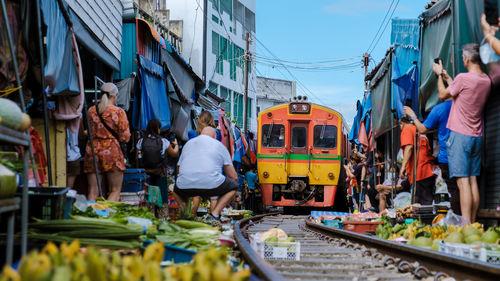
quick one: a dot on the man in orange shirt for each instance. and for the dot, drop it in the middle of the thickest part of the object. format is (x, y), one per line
(425, 186)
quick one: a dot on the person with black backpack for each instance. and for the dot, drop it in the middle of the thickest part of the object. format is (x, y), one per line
(152, 152)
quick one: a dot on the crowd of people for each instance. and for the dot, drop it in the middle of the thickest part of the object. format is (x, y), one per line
(203, 168)
(459, 122)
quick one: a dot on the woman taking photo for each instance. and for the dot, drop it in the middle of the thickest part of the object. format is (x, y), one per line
(109, 127)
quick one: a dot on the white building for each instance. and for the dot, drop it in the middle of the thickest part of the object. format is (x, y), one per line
(214, 42)
(271, 92)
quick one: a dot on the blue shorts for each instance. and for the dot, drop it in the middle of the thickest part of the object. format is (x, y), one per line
(464, 155)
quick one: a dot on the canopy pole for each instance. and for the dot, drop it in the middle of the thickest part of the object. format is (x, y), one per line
(91, 140)
(24, 210)
(44, 96)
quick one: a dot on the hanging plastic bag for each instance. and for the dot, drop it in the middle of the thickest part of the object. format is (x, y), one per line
(441, 186)
(399, 158)
(452, 218)
(402, 200)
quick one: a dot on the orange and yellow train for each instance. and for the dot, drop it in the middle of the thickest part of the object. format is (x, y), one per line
(299, 156)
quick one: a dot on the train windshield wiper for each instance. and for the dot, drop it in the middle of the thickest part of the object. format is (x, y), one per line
(321, 136)
(268, 136)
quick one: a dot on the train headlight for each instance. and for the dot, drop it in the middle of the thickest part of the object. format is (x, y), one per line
(330, 176)
(265, 174)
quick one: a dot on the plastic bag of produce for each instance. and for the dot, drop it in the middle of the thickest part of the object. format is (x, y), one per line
(452, 218)
(441, 186)
(145, 223)
(80, 202)
(402, 200)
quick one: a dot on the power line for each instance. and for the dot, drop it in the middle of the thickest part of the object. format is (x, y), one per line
(380, 26)
(387, 23)
(273, 55)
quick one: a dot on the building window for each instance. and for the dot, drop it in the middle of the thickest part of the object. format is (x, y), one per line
(249, 108)
(249, 20)
(225, 94)
(215, 4)
(215, 43)
(213, 87)
(215, 19)
(226, 6)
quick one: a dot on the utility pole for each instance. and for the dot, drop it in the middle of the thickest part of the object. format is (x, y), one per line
(366, 62)
(245, 101)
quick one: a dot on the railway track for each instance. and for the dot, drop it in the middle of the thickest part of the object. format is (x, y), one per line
(332, 254)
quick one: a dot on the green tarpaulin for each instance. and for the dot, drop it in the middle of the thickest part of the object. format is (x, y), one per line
(447, 26)
(380, 87)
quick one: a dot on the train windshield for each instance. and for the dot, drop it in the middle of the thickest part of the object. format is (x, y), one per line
(273, 135)
(325, 136)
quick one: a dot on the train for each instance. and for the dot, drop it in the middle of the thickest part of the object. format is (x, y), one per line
(300, 151)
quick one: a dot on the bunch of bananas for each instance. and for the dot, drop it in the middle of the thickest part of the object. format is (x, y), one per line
(438, 231)
(207, 265)
(69, 263)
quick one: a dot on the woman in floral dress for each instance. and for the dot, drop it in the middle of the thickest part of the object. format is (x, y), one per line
(109, 156)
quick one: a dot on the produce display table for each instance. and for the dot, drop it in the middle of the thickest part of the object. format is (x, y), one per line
(10, 206)
(12, 137)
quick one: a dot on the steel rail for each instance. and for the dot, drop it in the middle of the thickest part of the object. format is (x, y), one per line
(401, 254)
(457, 267)
(258, 265)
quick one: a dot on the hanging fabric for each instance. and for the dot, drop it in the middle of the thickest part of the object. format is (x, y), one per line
(7, 77)
(152, 96)
(61, 73)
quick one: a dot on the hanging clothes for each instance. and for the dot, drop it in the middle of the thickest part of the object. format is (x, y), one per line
(239, 149)
(70, 107)
(7, 76)
(39, 155)
(125, 89)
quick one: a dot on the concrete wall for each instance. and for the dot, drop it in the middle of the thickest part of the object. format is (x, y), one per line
(191, 16)
(104, 19)
(272, 91)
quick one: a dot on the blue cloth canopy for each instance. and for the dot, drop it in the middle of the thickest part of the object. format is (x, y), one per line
(151, 99)
(406, 88)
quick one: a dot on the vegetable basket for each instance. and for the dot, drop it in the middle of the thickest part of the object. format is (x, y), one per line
(174, 253)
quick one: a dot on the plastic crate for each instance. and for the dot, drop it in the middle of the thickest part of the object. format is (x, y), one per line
(334, 224)
(134, 180)
(132, 198)
(461, 250)
(490, 256)
(174, 253)
(46, 203)
(361, 226)
(277, 250)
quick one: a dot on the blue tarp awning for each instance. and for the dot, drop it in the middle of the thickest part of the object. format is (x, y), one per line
(151, 99)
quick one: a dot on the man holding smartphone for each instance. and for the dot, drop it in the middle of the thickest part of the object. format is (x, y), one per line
(469, 92)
